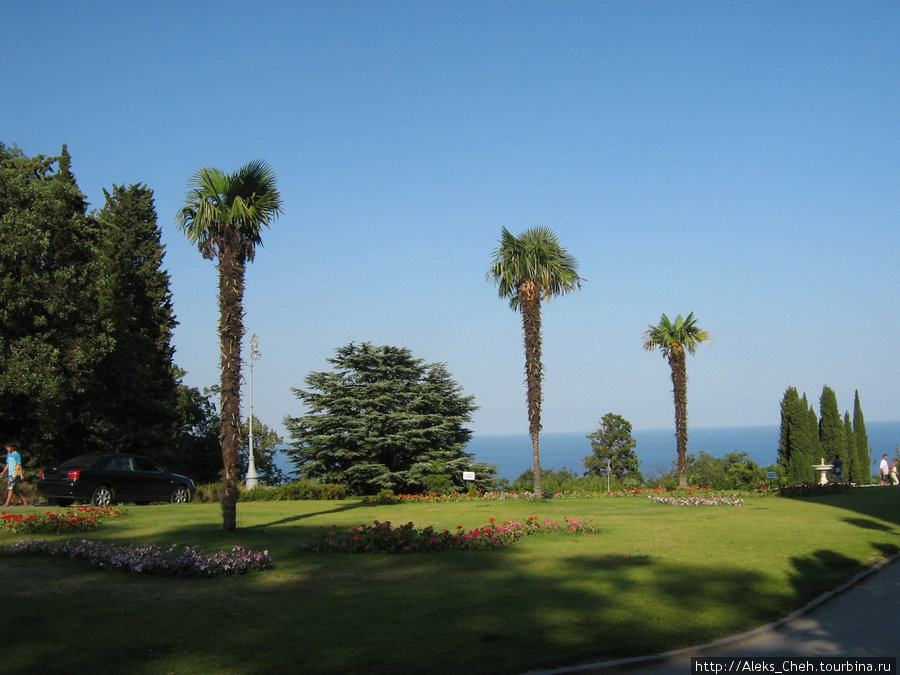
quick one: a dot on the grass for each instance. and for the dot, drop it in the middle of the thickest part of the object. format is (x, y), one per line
(655, 578)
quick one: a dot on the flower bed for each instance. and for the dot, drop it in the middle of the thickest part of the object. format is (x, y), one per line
(75, 519)
(710, 500)
(382, 537)
(189, 561)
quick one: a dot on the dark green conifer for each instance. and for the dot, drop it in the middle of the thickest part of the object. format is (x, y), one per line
(861, 441)
(831, 429)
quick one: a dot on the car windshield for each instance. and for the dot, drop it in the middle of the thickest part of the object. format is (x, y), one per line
(80, 461)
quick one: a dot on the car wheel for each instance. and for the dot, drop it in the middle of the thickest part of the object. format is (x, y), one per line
(102, 496)
(181, 495)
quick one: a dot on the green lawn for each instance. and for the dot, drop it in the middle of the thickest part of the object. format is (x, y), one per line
(654, 578)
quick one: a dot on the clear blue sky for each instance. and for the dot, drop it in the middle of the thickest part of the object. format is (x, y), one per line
(736, 159)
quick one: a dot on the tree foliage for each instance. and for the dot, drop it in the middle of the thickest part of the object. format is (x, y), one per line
(613, 446)
(831, 428)
(383, 419)
(863, 463)
(805, 440)
(52, 334)
(132, 400)
(265, 447)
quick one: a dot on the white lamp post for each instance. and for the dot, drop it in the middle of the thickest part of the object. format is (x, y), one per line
(252, 476)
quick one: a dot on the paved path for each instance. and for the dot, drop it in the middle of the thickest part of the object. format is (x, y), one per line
(861, 619)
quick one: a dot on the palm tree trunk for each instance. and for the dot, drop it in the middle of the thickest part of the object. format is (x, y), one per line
(231, 330)
(529, 300)
(677, 361)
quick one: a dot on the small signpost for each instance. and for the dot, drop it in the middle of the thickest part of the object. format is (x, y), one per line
(468, 475)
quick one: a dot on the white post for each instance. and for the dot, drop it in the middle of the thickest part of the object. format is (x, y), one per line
(252, 476)
(608, 469)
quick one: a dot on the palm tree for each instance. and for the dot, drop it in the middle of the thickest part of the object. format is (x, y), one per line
(675, 340)
(224, 215)
(527, 269)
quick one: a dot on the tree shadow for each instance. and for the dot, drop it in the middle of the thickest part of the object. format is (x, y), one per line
(303, 516)
(869, 524)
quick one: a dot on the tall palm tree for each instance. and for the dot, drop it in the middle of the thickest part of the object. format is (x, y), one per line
(527, 269)
(224, 215)
(675, 341)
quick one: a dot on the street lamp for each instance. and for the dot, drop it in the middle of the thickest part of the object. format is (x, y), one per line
(252, 476)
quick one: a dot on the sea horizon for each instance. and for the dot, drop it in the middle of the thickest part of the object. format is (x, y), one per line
(655, 448)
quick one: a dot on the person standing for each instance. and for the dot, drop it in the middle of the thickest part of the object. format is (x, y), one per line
(16, 474)
(883, 468)
(895, 476)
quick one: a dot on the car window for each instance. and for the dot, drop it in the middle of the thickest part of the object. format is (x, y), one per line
(80, 462)
(123, 463)
(144, 464)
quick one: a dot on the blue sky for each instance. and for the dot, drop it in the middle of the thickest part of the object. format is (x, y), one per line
(740, 160)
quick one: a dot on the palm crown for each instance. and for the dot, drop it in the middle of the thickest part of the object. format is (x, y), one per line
(534, 256)
(233, 207)
(668, 337)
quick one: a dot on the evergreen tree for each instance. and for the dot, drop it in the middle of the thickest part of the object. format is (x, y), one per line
(831, 429)
(613, 446)
(850, 462)
(52, 337)
(132, 400)
(798, 439)
(861, 442)
(383, 419)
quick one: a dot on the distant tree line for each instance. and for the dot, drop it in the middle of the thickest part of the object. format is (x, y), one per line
(806, 439)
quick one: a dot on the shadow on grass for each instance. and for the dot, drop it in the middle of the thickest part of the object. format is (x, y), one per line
(878, 503)
(484, 611)
(304, 516)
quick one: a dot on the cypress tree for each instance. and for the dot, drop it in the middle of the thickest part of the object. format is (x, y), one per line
(861, 441)
(831, 430)
(786, 440)
(133, 399)
(814, 453)
(851, 460)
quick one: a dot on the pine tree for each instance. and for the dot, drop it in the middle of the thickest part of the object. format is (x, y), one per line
(383, 419)
(861, 441)
(613, 446)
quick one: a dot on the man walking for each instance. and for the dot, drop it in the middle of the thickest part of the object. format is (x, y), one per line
(883, 467)
(14, 474)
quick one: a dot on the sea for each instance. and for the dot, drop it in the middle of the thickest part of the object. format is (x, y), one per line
(655, 448)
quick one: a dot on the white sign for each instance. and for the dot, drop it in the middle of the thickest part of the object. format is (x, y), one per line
(468, 475)
(771, 474)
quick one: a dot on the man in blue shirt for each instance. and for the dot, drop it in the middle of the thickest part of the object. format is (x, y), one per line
(14, 474)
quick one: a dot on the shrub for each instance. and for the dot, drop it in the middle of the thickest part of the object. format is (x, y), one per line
(298, 490)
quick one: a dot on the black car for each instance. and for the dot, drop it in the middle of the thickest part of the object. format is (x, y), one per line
(109, 478)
